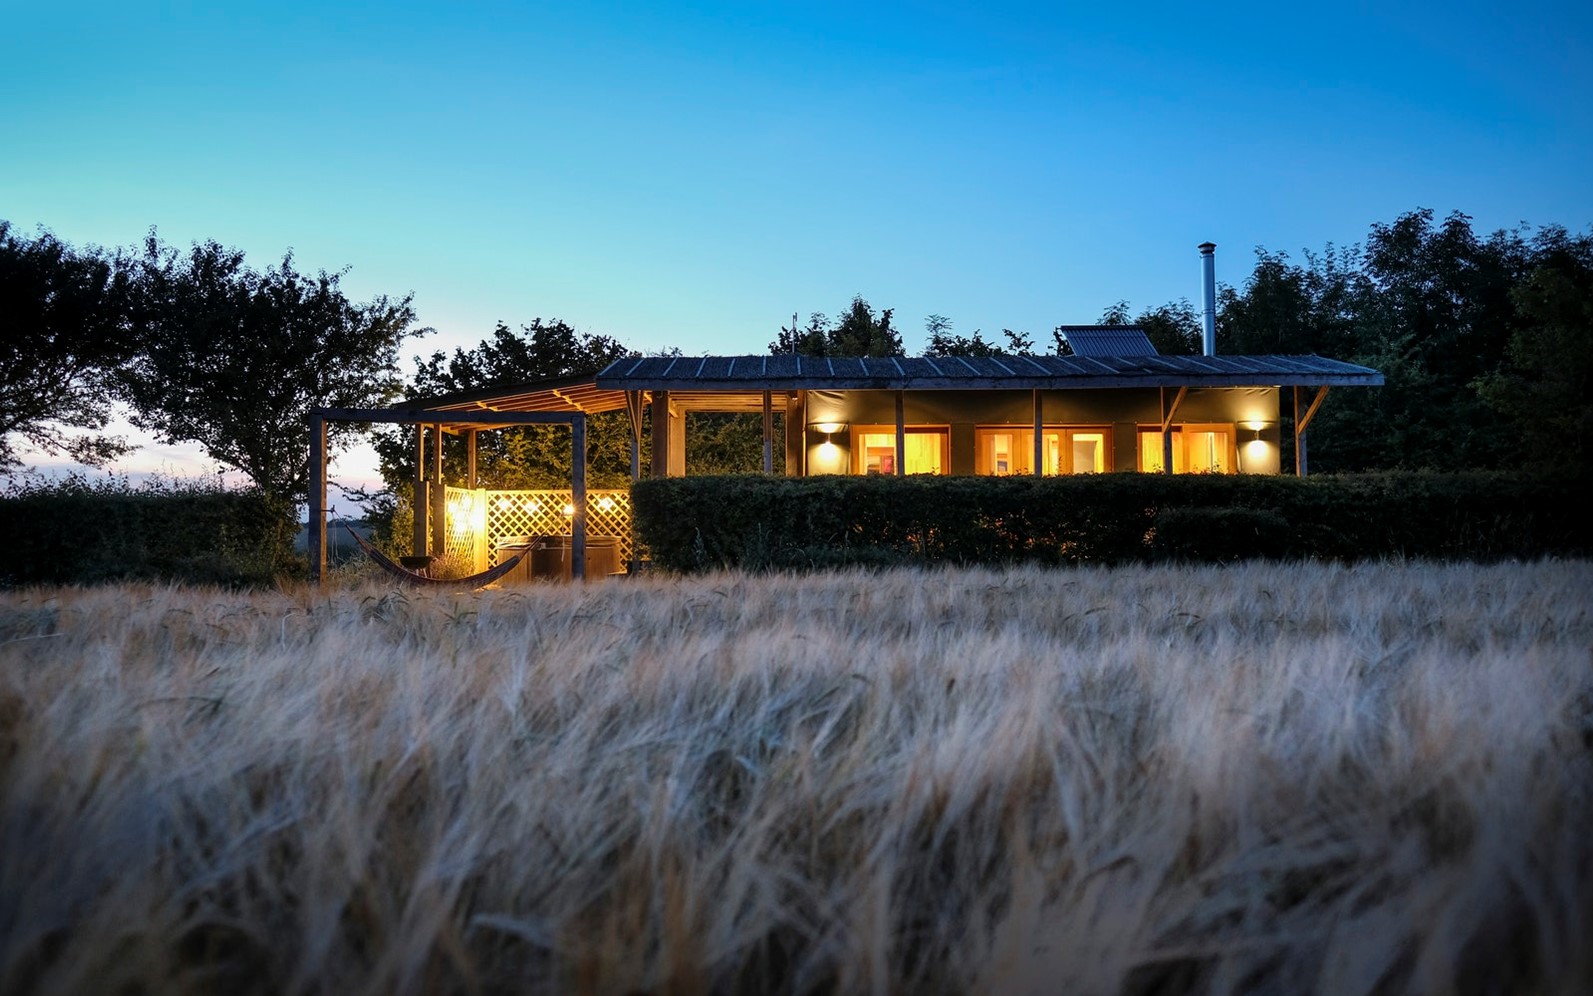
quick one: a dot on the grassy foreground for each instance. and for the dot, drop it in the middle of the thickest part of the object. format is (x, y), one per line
(1257, 779)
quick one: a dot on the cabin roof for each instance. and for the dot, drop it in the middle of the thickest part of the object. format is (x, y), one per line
(736, 383)
(896, 373)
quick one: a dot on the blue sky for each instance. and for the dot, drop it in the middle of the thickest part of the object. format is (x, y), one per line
(691, 175)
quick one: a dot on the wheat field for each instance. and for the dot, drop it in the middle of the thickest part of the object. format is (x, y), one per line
(1259, 779)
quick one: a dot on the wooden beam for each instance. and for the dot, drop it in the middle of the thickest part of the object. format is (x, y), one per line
(578, 499)
(1302, 457)
(478, 420)
(439, 497)
(768, 432)
(660, 434)
(633, 408)
(419, 503)
(901, 436)
(1039, 437)
(317, 511)
(1310, 413)
(1168, 412)
(470, 459)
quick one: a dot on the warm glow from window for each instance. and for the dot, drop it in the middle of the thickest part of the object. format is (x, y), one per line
(874, 450)
(1197, 449)
(1010, 450)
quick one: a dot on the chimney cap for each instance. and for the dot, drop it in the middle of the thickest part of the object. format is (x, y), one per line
(1206, 248)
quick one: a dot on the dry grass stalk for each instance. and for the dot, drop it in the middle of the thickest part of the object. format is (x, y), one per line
(1258, 779)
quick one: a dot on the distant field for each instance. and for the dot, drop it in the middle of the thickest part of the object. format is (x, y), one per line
(1261, 779)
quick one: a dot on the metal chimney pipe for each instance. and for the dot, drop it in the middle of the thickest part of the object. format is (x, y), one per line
(1208, 266)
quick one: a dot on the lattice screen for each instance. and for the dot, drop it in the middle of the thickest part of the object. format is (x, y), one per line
(535, 513)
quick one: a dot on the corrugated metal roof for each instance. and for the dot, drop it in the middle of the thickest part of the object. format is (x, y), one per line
(976, 372)
(737, 382)
(1107, 340)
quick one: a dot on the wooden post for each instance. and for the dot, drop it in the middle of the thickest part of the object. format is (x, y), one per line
(660, 433)
(578, 486)
(901, 436)
(439, 496)
(421, 502)
(317, 511)
(1302, 463)
(768, 433)
(633, 407)
(1168, 411)
(470, 459)
(1167, 435)
(1039, 438)
(803, 446)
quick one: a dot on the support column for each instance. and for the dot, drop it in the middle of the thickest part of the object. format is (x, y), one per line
(677, 443)
(1039, 437)
(470, 459)
(421, 502)
(794, 430)
(439, 496)
(633, 408)
(901, 436)
(578, 487)
(768, 433)
(1302, 464)
(317, 511)
(660, 434)
(1168, 412)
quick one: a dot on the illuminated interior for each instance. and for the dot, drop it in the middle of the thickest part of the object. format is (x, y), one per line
(924, 449)
(1010, 450)
(1197, 449)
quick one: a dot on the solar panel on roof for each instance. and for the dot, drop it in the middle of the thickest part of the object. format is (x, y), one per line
(1107, 340)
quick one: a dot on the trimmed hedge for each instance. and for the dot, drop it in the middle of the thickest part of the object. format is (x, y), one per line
(756, 522)
(79, 532)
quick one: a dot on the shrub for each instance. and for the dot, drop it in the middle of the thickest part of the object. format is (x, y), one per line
(756, 522)
(1213, 535)
(81, 531)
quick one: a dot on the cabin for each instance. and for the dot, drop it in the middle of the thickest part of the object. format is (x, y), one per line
(1114, 405)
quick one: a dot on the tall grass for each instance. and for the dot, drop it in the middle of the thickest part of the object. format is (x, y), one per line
(1257, 779)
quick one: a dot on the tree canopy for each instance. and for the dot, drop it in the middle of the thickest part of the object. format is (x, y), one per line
(234, 359)
(861, 331)
(65, 326)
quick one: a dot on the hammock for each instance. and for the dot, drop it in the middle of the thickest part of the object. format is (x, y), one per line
(406, 575)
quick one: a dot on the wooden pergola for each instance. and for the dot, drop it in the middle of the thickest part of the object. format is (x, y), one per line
(439, 421)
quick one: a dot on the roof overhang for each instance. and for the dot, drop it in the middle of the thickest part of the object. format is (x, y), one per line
(738, 383)
(801, 373)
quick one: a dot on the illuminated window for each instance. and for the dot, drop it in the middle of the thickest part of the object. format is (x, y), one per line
(924, 449)
(1010, 450)
(1197, 449)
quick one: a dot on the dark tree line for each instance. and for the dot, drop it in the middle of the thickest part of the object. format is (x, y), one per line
(199, 346)
(1486, 342)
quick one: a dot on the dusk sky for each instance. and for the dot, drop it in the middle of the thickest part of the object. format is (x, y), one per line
(691, 175)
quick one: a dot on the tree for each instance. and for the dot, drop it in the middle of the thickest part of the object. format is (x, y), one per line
(943, 342)
(1545, 386)
(859, 332)
(234, 359)
(64, 329)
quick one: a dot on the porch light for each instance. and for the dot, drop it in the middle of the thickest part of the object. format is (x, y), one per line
(828, 428)
(569, 510)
